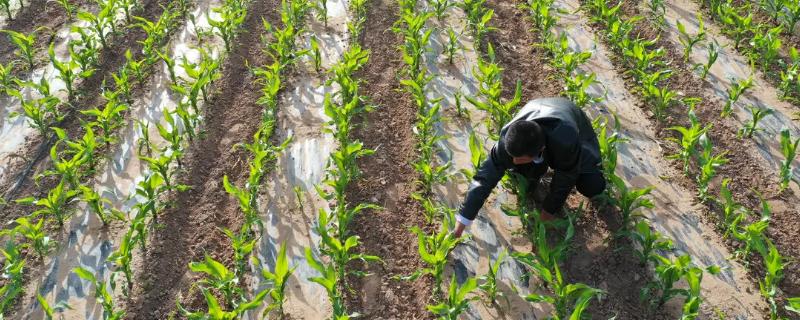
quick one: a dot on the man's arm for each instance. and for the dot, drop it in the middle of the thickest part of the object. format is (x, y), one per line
(566, 154)
(489, 174)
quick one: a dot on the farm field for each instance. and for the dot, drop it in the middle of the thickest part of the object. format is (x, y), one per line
(306, 159)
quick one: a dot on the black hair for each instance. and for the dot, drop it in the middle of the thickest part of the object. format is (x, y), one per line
(524, 138)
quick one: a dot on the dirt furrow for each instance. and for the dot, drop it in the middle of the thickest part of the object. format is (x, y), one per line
(192, 227)
(387, 180)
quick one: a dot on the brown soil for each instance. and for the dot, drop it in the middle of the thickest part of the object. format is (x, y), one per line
(43, 18)
(35, 151)
(192, 227)
(387, 180)
(746, 171)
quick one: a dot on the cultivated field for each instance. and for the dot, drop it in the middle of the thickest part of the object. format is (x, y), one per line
(305, 159)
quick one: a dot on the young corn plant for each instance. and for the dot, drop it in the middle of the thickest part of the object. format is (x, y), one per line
(708, 162)
(658, 9)
(457, 300)
(42, 113)
(713, 54)
(101, 24)
(330, 281)
(577, 86)
(67, 72)
(791, 15)
(767, 46)
(35, 234)
(569, 300)
(316, 54)
(55, 205)
(107, 119)
(452, 46)
(322, 11)
(278, 279)
(478, 18)
(732, 210)
(750, 127)
(433, 250)
(220, 278)
(100, 205)
(689, 41)
(774, 264)
(440, 8)
(12, 272)
(85, 53)
(752, 235)
(629, 201)
(650, 242)
(103, 293)
(6, 5)
(734, 92)
(358, 10)
(69, 8)
(25, 44)
(121, 258)
(7, 77)
(215, 311)
(490, 88)
(668, 273)
(789, 151)
(243, 244)
(232, 15)
(689, 138)
(489, 285)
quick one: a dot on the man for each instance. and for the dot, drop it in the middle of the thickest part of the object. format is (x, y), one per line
(548, 132)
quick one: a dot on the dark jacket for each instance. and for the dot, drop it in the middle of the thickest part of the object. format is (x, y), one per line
(571, 148)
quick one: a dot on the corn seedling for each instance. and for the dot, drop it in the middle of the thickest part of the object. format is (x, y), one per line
(767, 46)
(7, 77)
(608, 143)
(149, 189)
(243, 245)
(330, 281)
(121, 258)
(732, 210)
(99, 205)
(750, 127)
(100, 23)
(54, 205)
(752, 235)
(216, 312)
(577, 86)
(316, 55)
(340, 252)
(793, 305)
(668, 273)
(451, 48)
(489, 74)
(358, 11)
(457, 300)
(67, 72)
(231, 15)
(219, 278)
(49, 311)
(708, 163)
(569, 300)
(734, 92)
(789, 151)
(433, 250)
(478, 18)
(322, 11)
(412, 26)
(35, 234)
(740, 27)
(69, 8)
(84, 53)
(650, 241)
(278, 279)
(41, 113)
(107, 119)
(689, 138)
(25, 44)
(791, 15)
(689, 41)
(713, 54)
(658, 10)
(629, 201)
(12, 272)
(660, 99)
(773, 263)
(489, 285)
(156, 34)
(102, 292)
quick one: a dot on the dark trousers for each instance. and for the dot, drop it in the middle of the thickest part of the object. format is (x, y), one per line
(591, 182)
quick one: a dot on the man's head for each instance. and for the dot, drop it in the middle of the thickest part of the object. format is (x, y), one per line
(524, 141)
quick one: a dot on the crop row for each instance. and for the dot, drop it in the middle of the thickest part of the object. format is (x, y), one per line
(74, 160)
(696, 147)
(219, 278)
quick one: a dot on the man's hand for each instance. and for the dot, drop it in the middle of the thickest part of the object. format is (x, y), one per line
(458, 230)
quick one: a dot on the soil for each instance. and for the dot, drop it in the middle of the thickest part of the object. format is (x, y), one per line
(387, 180)
(747, 173)
(192, 227)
